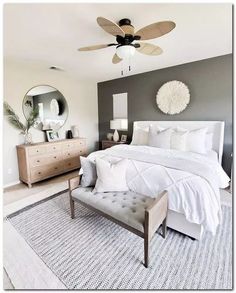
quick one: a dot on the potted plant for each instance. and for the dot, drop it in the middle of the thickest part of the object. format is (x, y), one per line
(14, 120)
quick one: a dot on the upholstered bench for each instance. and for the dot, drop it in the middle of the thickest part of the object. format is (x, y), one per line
(137, 213)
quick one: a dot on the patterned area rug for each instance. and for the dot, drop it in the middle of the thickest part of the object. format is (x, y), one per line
(91, 252)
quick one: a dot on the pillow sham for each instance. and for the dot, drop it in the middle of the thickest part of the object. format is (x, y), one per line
(159, 139)
(196, 141)
(140, 136)
(89, 173)
(208, 140)
(178, 140)
(111, 176)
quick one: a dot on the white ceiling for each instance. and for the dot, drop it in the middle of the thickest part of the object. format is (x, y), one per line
(49, 34)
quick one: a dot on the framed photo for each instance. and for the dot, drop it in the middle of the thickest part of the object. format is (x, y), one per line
(52, 135)
(123, 138)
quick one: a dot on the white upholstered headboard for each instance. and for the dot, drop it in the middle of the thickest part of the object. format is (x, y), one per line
(216, 127)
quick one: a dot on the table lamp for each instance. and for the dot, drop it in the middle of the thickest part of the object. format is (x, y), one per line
(118, 124)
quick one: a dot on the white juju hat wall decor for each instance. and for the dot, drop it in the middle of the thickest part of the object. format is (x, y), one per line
(173, 97)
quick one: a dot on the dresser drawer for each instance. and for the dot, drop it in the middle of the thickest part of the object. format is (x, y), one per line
(69, 145)
(45, 159)
(71, 163)
(57, 147)
(81, 143)
(74, 153)
(37, 150)
(45, 171)
(74, 144)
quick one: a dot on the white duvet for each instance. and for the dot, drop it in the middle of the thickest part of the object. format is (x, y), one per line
(192, 180)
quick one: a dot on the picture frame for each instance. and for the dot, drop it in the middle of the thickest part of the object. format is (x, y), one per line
(123, 138)
(52, 135)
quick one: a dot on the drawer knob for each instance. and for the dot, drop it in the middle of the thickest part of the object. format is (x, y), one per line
(55, 168)
(68, 154)
(55, 157)
(69, 164)
(37, 151)
(38, 161)
(39, 173)
(54, 148)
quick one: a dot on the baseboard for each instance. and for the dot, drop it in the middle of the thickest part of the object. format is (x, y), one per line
(11, 184)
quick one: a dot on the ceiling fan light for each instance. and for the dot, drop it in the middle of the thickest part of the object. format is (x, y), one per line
(125, 52)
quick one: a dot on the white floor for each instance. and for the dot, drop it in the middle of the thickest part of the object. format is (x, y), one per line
(19, 196)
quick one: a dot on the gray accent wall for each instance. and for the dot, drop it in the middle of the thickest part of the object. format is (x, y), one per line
(210, 85)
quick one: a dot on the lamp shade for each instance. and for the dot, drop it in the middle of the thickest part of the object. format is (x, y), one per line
(125, 51)
(115, 124)
(119, 124)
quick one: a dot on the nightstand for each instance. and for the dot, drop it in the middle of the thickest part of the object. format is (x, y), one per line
(109, 143)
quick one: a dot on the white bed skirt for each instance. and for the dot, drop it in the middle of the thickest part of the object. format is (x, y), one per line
(179, 223)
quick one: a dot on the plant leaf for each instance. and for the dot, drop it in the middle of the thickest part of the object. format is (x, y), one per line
(12, 117)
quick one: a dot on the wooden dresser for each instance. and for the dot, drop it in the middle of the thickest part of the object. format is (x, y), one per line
(39, 161)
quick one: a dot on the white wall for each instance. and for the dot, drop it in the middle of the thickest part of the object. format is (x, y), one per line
(81, 98)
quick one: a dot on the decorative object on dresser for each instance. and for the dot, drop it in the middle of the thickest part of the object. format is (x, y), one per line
(118, 124)
(14, 120)
(173, 97)
(69, 134)
(52, 105)
(123, 138)
(75, 131)
(109, 136)
(109, 143)
(52, 135)
(44, 160)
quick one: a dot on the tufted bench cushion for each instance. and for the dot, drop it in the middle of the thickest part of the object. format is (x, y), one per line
(128, 207)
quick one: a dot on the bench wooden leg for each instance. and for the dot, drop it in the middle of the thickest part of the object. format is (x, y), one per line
(146, 251)
(72, 208)
(164, 228)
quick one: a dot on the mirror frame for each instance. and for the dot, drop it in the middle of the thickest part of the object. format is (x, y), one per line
(56, 90)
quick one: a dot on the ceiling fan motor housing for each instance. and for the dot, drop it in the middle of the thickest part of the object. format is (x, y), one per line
(124, 21)
(126, 26)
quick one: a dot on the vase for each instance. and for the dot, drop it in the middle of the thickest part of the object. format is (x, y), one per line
(75, 130)
(116, 136)
(27, 138)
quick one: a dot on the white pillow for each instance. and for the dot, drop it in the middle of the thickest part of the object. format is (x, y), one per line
(111, 177)
(209, 138)
(209, 141)
(88, 171)
(196, 141)
(178, 140)
(159, 139)
(140, 136)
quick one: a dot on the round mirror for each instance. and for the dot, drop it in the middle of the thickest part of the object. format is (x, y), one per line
(51, 106)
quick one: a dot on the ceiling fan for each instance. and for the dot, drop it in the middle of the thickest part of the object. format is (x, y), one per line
(128, 40)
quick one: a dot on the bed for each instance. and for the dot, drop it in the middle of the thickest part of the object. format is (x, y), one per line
(152, 170)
